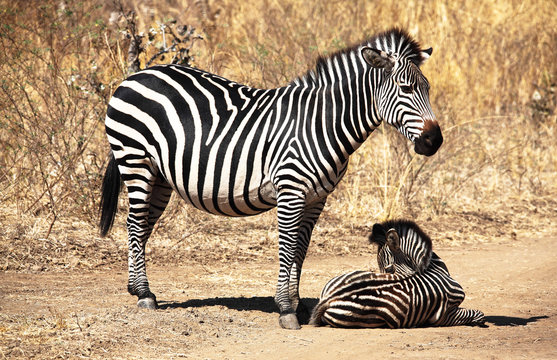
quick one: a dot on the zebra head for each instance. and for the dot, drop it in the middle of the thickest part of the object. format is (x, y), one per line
(403, 248)
(401, 90)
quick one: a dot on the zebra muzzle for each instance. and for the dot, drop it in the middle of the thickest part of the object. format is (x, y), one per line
(430, 140)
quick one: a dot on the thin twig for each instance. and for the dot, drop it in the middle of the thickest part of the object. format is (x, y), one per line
(77, 321)
(161, 52)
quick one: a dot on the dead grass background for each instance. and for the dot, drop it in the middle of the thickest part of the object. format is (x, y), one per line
(493, 74)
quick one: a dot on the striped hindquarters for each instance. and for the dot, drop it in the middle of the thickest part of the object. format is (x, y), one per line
(208, 137)
(362, 299)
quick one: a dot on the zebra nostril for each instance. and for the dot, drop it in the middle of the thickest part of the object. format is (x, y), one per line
(427, 140)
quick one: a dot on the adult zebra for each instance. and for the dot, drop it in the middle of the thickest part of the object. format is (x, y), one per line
(414, 288)
(233, 150)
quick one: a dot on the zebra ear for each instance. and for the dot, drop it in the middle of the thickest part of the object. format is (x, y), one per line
(426, 54)
(377, 235)
(393, 240)
(377, 58)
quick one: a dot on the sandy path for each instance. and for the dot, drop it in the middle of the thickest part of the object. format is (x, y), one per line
(226, 311)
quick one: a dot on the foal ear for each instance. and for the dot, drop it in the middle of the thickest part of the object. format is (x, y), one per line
(393, 240)
(377, 58)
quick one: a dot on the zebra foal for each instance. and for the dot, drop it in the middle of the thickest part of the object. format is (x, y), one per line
(233, 150)
(414, 288)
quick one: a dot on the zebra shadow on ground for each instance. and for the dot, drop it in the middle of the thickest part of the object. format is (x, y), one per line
(267, 304)
(256, 303)
(513, 321)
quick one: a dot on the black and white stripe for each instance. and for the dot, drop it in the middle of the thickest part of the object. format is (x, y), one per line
(417, 291)
(233, 150)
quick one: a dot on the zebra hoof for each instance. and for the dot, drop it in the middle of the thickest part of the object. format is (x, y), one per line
(289, 321)
(147, 303)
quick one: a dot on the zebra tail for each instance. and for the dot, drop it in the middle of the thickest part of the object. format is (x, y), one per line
(109, 197)
(316, 318)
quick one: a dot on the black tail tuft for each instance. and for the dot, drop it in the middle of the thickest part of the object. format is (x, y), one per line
(317, 314)
(109, 199)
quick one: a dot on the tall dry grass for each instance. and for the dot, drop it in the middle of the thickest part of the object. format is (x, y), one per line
(493, 75)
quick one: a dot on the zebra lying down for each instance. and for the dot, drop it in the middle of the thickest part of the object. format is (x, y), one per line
(414, 288)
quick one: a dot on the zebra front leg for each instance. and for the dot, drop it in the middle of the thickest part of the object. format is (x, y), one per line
(310, 217)
(290, 211)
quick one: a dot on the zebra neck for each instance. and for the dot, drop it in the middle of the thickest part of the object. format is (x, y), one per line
(344, 99)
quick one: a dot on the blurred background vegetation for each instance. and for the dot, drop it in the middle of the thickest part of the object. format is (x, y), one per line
(493, 76)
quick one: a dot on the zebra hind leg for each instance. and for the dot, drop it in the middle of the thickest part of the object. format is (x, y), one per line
(460, 316)
(147, 203)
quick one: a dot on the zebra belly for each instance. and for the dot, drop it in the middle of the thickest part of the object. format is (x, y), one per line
(242, 198)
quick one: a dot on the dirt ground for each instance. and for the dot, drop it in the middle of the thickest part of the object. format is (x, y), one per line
(226, 311)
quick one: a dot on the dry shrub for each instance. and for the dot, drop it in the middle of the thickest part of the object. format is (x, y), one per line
(493, 76)
(51, 108)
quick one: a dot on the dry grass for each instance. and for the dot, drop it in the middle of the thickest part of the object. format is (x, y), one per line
(493, 76)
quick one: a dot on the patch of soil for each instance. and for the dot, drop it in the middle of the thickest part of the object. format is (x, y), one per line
(225, 310)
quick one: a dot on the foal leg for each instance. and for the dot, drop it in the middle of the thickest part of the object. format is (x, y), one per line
(460, 316)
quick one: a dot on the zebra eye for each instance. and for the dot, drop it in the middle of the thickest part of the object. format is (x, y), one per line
(390, 269)
(406, 89)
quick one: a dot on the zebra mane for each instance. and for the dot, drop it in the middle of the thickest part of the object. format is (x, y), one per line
(395, 41)
(403, 228)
